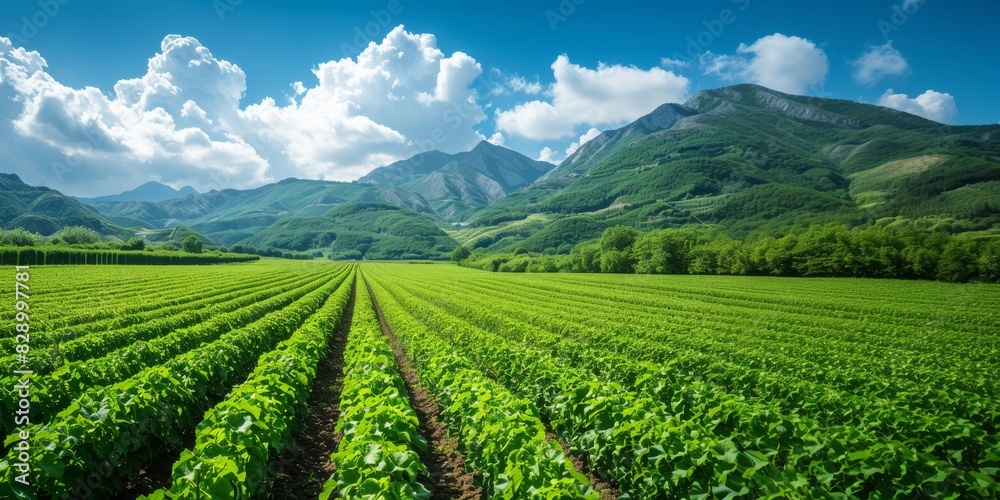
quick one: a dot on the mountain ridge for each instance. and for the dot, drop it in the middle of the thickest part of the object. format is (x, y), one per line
(745, 158)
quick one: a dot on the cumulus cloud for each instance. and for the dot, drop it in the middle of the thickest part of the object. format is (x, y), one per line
(931, 105)
(496, 139)
(504, 84)
(878, 62)
(608, 95)
(590, 134)
(548, 155)
(159, 121)
(396, 98)
(183, 118)
(785, 63)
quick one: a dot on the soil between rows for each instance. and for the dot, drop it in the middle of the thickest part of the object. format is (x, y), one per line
(448, 478)
(301, 469)
(606, 488)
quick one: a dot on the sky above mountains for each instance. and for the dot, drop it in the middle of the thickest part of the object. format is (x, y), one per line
(99, 97)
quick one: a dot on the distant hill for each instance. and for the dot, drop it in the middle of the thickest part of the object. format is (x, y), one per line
(359, 230)
(457, 185)
(744, 159)
(149, 192)
(45, 211)
(757, 161)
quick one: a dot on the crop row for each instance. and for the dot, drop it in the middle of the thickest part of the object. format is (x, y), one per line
(111, 432)
(502, 435)
(853, 463)
(238, 436)
(52, 322)
(746, 364)
(378, 452)
(54, 392)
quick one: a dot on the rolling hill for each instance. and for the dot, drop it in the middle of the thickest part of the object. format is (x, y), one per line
(757, 161)
(745, 159)
(457, 185)
(150, 192)
(45, 211)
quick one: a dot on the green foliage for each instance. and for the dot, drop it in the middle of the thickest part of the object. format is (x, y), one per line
(134, 244)
(123, 425)
(704, 387)
(618, 238)
(378, 454)
(460, 253)
(76, 235)
(355, 231)
(18, 237)
(502, 435)
(192, 244)
(883, 251)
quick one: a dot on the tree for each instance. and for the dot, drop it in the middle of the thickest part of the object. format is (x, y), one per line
(957, 262)
(989, 262)
(618, 238)
(19, 237)
(134, 244)
(76, 235)
(191, 244)
(614, 261)
(460, 253)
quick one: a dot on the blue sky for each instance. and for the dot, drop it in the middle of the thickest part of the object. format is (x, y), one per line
(117, 103)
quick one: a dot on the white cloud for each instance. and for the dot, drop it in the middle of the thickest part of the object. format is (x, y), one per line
(931, 105)
(513, 84)
(783, 63)
(496, 139)
(878, 62)
(183, 120)
(547, 155)
(667, 62)
(160, 121)
(607, 95)
(590, 134)
(521, 84)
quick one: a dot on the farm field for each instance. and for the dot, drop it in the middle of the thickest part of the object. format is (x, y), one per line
(435, 381)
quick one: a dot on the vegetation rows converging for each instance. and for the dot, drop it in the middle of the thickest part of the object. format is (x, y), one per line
(194, 383)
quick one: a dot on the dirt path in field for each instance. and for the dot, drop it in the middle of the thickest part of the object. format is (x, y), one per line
(607, 489)
(155, 475)
(302, 468)
(448, 478)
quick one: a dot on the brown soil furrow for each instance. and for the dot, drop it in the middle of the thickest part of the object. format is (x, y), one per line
(302, 468)
(607, 489)
(448, 478)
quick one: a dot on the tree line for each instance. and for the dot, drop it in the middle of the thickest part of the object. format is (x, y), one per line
(834, 250)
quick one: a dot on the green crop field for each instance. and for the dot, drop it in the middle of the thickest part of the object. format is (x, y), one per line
(292, 379)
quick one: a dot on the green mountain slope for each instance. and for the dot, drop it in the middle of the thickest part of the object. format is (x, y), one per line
(360, 230)
(456, 186)
(46, 211)
(758, 161)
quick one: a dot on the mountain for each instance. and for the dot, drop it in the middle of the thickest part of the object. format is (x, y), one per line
(231, 215)
(457, 185)
(593, 151)
(412, 168)
(756, 161)
(744, 159)
(359, 230)
(152, 192)
(46, 211)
